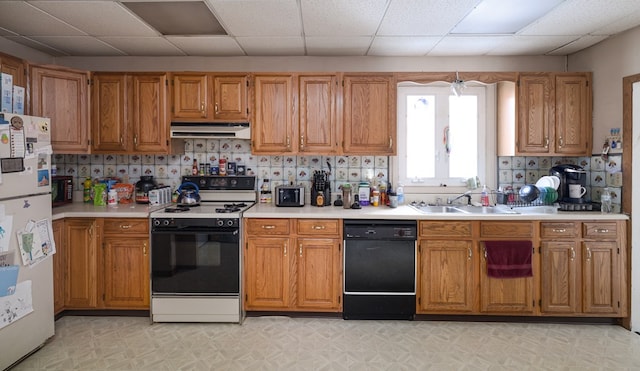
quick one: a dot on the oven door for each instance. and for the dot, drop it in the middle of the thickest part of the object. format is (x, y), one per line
(195, 261)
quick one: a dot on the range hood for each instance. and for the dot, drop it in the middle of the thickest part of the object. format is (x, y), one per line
(210, 130)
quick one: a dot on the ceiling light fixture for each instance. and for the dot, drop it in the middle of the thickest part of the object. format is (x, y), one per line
(457, 86)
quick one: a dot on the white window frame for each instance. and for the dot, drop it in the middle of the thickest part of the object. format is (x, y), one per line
(487, 155)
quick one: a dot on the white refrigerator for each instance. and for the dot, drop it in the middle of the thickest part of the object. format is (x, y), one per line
(26, 239)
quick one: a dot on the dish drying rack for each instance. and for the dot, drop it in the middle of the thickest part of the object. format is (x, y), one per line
(512, 199)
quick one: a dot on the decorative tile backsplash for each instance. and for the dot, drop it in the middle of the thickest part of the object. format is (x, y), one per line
(513, 172)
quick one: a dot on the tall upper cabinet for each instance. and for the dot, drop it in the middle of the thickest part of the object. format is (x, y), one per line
(554, 114)
(201, 97)
(62, 94)
(14, 67)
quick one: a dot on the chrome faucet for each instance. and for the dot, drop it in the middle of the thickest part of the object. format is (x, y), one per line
(467, 194)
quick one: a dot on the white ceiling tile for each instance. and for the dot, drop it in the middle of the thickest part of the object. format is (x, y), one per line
(148, 46)
(530, 45)
(423, 17)
(337, 45)
(256, 46)
(79, 45)
(402, 45)
(342, 18)
(577, 45)
(97, 18)
(466, 45)
(580, 17)
(259, 18)
(26, 20)
(37, 46)
(207, 45)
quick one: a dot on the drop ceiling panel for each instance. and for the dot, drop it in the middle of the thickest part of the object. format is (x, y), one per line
(466, 45)
(79, 45)
(423, 17)
(530, 45)
(259, 18)
(97, 18)
(214, 46)
(272, 46)
(26, 20)
(402, 45)
(337, 46)
(574, 46)
(37, 46)
(147, 46)
(342, 18)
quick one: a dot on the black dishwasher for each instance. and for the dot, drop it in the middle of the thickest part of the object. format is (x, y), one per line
(379, 269)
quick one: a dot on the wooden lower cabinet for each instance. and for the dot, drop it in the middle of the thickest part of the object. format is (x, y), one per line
(59, 260)
(293, 265)
(107, 263)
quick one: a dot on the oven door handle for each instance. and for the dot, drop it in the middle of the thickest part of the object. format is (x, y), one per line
(218, 231)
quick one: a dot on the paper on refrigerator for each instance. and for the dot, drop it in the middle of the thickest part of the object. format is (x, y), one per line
(36, 242)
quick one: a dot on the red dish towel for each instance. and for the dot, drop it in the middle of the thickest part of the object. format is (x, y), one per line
(509, 259)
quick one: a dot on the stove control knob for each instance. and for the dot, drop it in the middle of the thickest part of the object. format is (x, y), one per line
(203, 182)
(230, 223)
(220, 222)
(166, 222)
(156, 222)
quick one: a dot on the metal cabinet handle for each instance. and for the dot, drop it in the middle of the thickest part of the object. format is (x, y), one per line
(588, 254)
(285, 249)
(288, 142)
(300, 249)
(546, 142)
(144, 248)
(301, 141)
(121, 140)
(573, 253)
(202, 107)
(135, 140)
(318, 227)
(603, 230)
(268, 227)
(559, 230)
(216, 107)
(390, 142)
(485, 252)
(470, 253)
(125, 226)
(560, 142)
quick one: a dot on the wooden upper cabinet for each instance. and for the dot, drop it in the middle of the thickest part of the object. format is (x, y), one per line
(534, 130)
(14, 67)
(554, 114)
(108, 113)
(149, 118)
(190, 96)
(62, 95)
(230, 98)
(201, 97)
(318, 126)
(369, 114)
(273, 130)
(573, 114)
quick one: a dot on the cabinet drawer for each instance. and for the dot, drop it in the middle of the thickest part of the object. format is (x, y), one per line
(268, 226)
(559, 230)
(115, 225)
(445, 229)
(315, 227)
(600, 230)
(506, 229)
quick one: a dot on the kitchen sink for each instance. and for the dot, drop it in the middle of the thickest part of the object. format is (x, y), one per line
(430, 209)
(463, 209)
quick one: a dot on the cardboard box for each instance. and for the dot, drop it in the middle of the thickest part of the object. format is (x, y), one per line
(7, 93)
(18, 100)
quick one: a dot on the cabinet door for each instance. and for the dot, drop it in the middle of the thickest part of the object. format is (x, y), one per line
(126, 272)
(59, 266)
(108, 113)
(560, 277)
(573, 115)
(267, 273)
(317, 123)
(190, 96)
(535, 115)
(15, 68)
(273, 126)
(318, 279)
(62, 95)
(600, 277)
(230, 98)
(369, 114)
(446, 276)
(81, 285)
(149, 117)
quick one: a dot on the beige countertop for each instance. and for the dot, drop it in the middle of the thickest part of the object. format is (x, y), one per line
(407, 212)
(82, 210)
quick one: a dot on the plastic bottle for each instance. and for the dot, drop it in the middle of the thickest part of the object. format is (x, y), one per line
(265, 192)
(400, 194)
(484, 196)
(194, 168)
(86, 192)
(605, 201)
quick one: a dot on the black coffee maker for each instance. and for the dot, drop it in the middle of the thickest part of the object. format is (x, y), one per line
(569, 174)
(320, 189)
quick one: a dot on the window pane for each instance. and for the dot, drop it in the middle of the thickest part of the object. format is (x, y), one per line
(463, 136)
(420, 136)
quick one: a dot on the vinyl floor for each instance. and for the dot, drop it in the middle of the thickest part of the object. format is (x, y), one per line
(283, 343)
